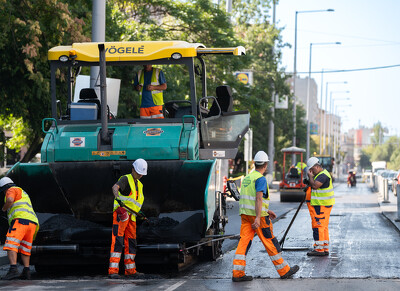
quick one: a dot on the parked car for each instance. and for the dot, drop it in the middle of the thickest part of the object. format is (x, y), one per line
(379, 172)
(391, 182)
(395, 181)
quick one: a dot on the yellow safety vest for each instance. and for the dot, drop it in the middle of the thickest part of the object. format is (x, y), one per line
(21, 208)
(300, 167)
(323, 196)
(248, 194)
(157, 95)
(130, 200)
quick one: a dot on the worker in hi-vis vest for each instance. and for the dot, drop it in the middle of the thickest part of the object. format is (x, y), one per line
(150, 82)
(256, 218)
(24, 225)
(320, 206)
(129, 190)
(300, 166)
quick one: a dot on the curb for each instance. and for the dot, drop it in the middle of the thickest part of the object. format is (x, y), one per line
(386, 215)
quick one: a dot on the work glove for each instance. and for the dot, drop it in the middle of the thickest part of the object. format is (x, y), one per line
(122, 214)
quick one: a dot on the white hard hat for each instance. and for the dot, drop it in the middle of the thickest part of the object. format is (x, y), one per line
(312, 162)
(5, 181)
(261, 157)
(140, 166)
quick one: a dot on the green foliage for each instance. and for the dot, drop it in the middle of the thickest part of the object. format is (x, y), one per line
(389, 152)
(394, 163)
(28, 29)
(384, 152)
(18, 130)
(365, 162)
(378, 130)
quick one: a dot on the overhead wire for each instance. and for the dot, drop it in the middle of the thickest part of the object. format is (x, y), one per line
(349, 70)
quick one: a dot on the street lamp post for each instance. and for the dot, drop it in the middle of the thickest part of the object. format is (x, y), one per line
(331, 118)
(321, 118)
(336, 140)
(326, 110)
(271, 127)
(308, 94)
(295, 71)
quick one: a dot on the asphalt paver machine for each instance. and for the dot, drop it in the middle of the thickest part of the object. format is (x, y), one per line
(87, 148)
(291, 187)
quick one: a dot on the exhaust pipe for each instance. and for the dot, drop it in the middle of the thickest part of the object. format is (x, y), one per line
(105, 140)
(70, 249)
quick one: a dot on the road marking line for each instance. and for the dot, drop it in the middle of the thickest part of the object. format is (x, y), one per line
(176, 285)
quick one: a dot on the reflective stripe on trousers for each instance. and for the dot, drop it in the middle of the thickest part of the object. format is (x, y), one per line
(115, 255)
(21, 247)
(130, 267)
(129, 257)
(13, 239)
(239, 264)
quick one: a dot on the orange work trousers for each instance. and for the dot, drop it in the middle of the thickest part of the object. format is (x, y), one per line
(123, 238)
(20, 236)
(152, 112)
(266, 235)
(319, 222)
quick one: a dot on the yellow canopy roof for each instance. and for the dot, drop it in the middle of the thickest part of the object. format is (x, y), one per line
(138, 50)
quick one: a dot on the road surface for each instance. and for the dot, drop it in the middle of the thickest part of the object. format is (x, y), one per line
(365, 255)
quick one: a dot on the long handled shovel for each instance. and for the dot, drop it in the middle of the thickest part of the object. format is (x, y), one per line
(282, 241)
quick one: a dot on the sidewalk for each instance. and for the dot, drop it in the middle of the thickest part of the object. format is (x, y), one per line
(389, 210)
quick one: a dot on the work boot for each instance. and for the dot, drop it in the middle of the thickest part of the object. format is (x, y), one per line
(242, 279)
(137, 275)
(316, 253)
(114, 276)
(293, 270)
(12, 273)
(26, 274)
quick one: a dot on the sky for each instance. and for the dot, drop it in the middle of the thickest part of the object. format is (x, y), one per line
(369, 32)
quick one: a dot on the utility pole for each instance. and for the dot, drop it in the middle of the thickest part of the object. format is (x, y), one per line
(271, 127)
(98, 33)
(228, 6)
(320, 110)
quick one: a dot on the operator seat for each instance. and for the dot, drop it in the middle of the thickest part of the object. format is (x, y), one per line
(88, 95)
(293, 173)
(224, 99)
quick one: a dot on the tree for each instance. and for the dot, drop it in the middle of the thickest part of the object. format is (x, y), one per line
(378, 130)
(28, 29)
(263, 44)
(394, 163)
